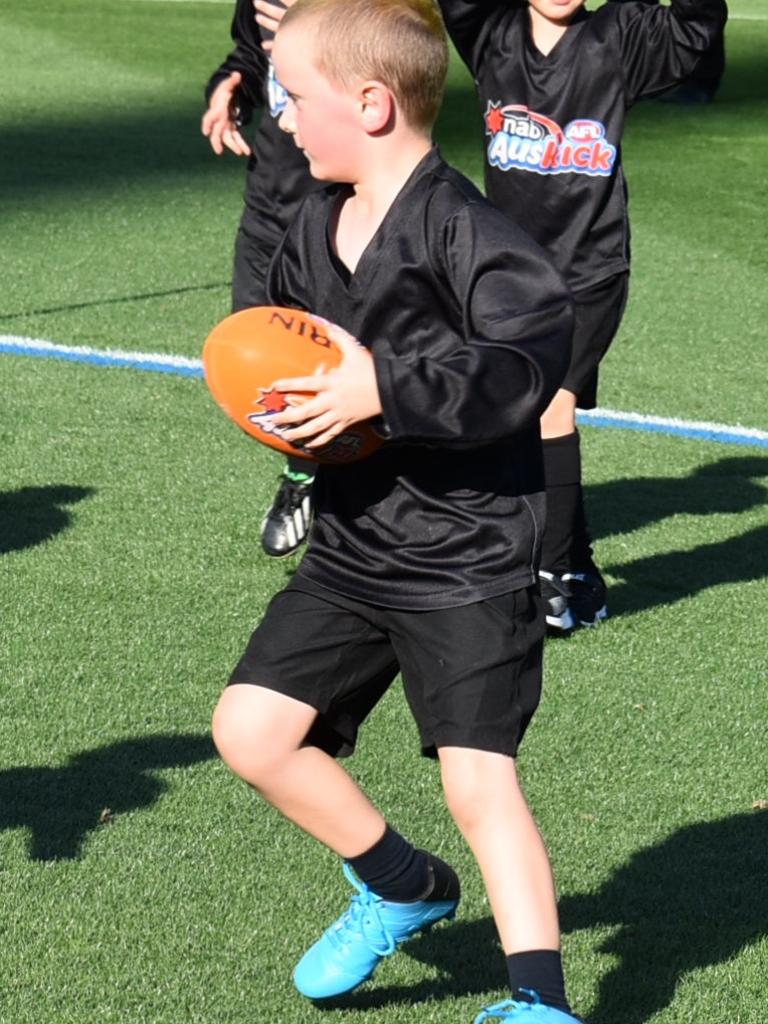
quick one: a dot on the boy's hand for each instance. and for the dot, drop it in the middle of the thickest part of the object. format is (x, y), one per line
(219, 124)
(269, 17)
(339, 398)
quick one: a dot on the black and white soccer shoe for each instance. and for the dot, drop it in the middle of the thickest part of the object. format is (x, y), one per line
(286, 525)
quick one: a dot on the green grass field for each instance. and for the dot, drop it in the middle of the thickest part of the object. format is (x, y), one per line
(142, 884)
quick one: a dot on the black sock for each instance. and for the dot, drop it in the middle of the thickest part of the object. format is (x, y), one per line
(394, 869)
(539, 971)
(299, 469)
(566, 543)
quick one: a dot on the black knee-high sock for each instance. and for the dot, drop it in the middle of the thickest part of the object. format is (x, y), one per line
(394, 869)
(540, 971)
(566, 543)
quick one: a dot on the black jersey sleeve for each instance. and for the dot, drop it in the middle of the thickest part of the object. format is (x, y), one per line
(514, 317)
(470, 22)
(247, 57)
(661, 45)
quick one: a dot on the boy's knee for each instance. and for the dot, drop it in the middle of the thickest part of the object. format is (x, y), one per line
(238, 735)
(229, 728)
(254, 732)
(464, 799)
(473, 780)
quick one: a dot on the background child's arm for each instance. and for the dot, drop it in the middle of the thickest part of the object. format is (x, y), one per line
(660, 46)
(248, 59)
(469, 22)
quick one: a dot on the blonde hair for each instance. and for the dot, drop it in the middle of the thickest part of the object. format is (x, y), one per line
(400, 43)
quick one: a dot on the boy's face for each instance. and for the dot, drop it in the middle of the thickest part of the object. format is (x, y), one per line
(319, 114)
(558, 11)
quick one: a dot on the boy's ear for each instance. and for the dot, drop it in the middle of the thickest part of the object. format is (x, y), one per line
(376, 106)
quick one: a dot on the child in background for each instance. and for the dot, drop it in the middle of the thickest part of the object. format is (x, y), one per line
(277, 180)
(555, 82)
(455, 333)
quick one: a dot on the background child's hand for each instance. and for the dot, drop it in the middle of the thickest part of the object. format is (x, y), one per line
(339, 398)
(219, 123)
(269, 17)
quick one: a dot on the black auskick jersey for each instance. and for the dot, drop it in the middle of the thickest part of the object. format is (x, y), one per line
(278, 173)
(553, 123)
(469, 325)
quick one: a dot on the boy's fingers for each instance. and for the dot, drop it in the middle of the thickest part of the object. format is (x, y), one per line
(217, 127)
(274, 12)
(314, 384)
(234, 141)
(346, 341)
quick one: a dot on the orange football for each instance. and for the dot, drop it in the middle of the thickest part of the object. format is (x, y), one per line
(247, 352)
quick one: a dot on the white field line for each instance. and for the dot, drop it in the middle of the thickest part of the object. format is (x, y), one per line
(160, 362)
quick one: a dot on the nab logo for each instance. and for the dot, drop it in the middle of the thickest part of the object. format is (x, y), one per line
(276, 94)
(522, 139)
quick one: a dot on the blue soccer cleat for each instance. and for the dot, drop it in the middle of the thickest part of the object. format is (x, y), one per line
(534, 1012)
(350, 950)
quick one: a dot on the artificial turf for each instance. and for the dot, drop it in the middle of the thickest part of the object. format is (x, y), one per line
(141, 882)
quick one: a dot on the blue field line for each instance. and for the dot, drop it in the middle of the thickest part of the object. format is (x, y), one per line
(157, 362)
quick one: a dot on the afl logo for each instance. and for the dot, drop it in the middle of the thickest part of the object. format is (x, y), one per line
(523, 139)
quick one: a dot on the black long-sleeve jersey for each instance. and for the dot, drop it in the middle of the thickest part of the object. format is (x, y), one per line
(278, 175)
(553, 123)
(469, 325)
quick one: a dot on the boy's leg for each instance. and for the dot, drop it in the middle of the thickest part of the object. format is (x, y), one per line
(485, 799)
(472, 676)
(268, 730)
(260, 734)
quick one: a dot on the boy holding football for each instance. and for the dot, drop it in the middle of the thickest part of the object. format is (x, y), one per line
(455, 331)
(555, 82)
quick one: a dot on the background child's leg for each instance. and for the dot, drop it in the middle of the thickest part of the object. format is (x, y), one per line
(259, 734)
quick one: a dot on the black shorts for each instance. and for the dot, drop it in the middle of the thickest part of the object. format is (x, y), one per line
(598, 311)
(472, 675)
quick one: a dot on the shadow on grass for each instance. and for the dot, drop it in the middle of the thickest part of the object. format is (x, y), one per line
(725, 487)
(118, 300)
(32, 515)
(60, 806)
(694, 900)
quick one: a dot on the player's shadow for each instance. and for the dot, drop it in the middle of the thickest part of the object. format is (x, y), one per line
(665, 578)
(32, 515)
(48, 156)
(693, 900)
(726, 487)
(60, 806)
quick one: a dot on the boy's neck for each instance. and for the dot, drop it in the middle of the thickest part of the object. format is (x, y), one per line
(374, 191)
